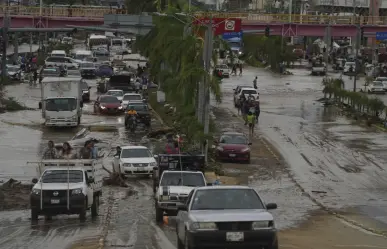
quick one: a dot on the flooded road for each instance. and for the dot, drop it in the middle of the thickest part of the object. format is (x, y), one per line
(338, 163)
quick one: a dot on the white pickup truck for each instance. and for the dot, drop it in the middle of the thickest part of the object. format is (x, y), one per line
(66, 187)
(61, 101)
(173, 190)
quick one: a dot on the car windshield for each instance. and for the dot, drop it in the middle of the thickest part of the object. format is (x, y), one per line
(116, 42)
(116, 93)
(132, 97)
(81, 56)
(84, 86)
(50, 71)
(222, 199)
(62, 176)
(105, 67)
(381, 78)
(135, 153)
(249, 92)
(137, 107)
(378, 84)
(223, 66)
(233, 139)
(67, 38)
(87, 65)
(109, 99)
(62, 104)
(182, 179)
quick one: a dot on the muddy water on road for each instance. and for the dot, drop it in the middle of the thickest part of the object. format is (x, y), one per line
(338, 162)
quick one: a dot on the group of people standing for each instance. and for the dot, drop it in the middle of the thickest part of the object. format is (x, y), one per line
(88, 151)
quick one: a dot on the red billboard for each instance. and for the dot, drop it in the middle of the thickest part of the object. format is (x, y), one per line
(221, 25)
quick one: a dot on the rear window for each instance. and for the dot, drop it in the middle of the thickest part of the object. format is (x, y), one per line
(120, 79)
(132, 97)
(109, 99)
(249, 92)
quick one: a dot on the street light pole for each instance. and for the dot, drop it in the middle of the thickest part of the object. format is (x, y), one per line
(357, 54)
(5, 46)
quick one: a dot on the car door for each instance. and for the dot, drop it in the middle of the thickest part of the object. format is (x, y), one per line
(182, 218)
(90, 192)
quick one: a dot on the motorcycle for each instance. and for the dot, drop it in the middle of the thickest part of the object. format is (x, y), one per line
(132, 124)
(101, 87)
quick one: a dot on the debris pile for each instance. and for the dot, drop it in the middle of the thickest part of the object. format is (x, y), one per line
(14, 195)
(114, 179)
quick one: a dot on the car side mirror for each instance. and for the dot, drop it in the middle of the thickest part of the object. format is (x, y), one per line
(156, 157)
(90, 180)
(34, 181)
(271, 206)
(116, 156)
(81, 104)
(89, 87)
(40, 105)
(250, 143)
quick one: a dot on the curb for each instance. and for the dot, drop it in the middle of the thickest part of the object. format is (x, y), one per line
(318, 203)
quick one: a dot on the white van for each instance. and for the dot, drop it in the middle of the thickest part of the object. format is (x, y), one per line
(58, 53)
(56, 61)
(82, 55)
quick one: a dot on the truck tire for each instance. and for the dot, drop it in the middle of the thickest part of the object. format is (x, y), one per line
(159, 214)
(95, 207)
(79, 120)
(34, 214)
(82, 213)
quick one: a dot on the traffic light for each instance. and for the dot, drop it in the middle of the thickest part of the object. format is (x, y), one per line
(267, 31)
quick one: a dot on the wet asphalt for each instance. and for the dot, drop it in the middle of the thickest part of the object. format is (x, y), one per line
(327, 153)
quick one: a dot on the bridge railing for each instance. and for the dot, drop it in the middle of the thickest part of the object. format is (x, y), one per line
(90, 12)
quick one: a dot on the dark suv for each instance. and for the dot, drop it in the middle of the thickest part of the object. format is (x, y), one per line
(143, 112)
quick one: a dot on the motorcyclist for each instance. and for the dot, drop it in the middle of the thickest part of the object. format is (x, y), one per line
(132, 114)
(255, 82)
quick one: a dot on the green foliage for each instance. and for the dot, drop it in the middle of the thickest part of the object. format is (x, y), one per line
(359, 101)
(175, 58)
(270, 50)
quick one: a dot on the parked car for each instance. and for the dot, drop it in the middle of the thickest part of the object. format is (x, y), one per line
(384, 81)
(225, 217)
(233, 146)
(107, 104)
(87, 70)
(101, 52)
(375, 87)
(116, 93)
(15, 73)
(70, 63)
(319, 68)
(222, 71)
(104, 71)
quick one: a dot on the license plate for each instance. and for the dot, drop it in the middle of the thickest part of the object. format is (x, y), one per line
(234, 236)
(54, 201)
(232, 155)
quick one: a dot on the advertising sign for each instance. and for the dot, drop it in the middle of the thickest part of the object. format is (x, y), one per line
(221, 25)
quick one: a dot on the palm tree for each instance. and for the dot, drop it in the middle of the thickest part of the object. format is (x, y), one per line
(169, 44)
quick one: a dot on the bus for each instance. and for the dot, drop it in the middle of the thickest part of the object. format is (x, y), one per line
(98, 41)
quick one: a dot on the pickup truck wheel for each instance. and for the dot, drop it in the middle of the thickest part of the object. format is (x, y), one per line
(95, 206)
(159, 214)
(180, 244)
(82, 213)
(79, 120)
(34, 214)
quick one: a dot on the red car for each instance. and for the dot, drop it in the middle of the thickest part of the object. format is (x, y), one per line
(233, 146)
(108, 104)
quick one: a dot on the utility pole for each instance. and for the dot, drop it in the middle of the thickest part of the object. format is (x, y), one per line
(357, 54)
(207, 56)
(5, 46)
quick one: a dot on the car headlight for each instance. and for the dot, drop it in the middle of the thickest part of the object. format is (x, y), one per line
(102, 107)
(126, 164)
(203, 226)
(256, 225)
(36, 191)
(120, 107)
(153, 164)
(76, 191)
(245, 150)
(219, 148)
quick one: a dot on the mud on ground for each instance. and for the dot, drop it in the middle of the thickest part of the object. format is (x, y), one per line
(14, 195)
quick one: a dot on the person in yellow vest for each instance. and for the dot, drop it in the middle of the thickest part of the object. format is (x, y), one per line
(251, 121)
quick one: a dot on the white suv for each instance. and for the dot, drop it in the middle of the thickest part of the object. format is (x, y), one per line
(134, 160)
(70, 63)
